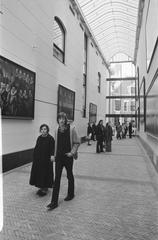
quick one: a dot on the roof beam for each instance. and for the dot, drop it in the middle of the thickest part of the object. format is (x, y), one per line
(121, 79)
(121, 115)
(121, 97)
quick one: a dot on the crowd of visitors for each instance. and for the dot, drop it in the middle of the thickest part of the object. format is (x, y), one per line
(123, 130)
(104, 134)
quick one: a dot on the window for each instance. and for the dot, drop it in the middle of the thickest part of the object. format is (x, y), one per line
(113, 86)
(132, 106)
(132, 90)
(125, 106)
(117, 105)
(99, 82)
(59, 40)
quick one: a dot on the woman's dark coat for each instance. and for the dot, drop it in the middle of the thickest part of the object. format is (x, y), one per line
(42, 167)
(108, 137)
(100, 133)
(108, 133)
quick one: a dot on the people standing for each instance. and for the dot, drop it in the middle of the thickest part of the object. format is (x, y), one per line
(108, 137)
(119, 131)
(123, 130)
(126, 130)
(94, 131)
(66, 146)
(42, 175)
(130, 129)
(100, 136)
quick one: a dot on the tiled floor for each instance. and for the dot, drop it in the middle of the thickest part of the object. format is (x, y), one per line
(116, 198)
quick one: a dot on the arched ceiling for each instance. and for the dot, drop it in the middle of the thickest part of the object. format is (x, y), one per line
(113, 24)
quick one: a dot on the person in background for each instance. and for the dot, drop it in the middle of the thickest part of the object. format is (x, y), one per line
(100, 136)
(126, 129)
(94, 131)
(42, 174)
(130, 129)
(89, 134)
(119, 131)
(108, 137)
(66, 146)
(123, 130)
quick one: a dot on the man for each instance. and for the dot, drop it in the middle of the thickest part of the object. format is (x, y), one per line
(66, 146)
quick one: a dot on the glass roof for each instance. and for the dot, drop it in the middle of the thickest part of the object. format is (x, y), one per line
(113, 24)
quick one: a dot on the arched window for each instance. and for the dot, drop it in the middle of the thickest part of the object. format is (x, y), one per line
(59, 40)
(99, 82)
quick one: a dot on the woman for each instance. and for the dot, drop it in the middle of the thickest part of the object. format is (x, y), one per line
(42, 167)
(66, 146)
(100, 136)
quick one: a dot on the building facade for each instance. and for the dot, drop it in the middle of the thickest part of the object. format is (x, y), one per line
(51, 55)
(147, 79)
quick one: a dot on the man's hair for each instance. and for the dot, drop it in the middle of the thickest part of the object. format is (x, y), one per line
(62, 115)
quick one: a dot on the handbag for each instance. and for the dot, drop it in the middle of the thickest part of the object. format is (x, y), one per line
(75, 156)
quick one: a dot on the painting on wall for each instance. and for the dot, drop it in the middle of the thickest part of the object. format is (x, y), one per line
(66, 102)
(92, 113)
(17, 90)
(151, 36)
(152, 107)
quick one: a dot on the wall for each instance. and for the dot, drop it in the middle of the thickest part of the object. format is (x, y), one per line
(149, 135)
(27, 39)
(95, 65)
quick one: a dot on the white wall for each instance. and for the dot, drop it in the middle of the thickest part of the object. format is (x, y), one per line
(141, 62)
(95, 65)
(27, 39)
(142, 51)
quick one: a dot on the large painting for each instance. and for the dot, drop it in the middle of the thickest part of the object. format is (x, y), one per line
(17, 90)
(92, 113)
(152, 107)
(66, 102)
(151, 36)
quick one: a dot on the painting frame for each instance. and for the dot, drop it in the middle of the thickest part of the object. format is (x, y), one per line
(92, 113)
(17, 90)
(66, 102)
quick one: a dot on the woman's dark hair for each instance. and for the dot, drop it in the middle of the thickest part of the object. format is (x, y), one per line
(44, 125)
(62, 115)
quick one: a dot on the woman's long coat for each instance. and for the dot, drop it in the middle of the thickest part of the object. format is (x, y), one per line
(42, 167)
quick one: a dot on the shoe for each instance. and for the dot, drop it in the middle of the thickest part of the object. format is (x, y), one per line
(52, 206)
(38, 192)
(42, 193)
(68, 198)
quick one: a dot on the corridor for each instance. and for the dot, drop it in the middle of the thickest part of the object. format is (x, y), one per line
(116, 198)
